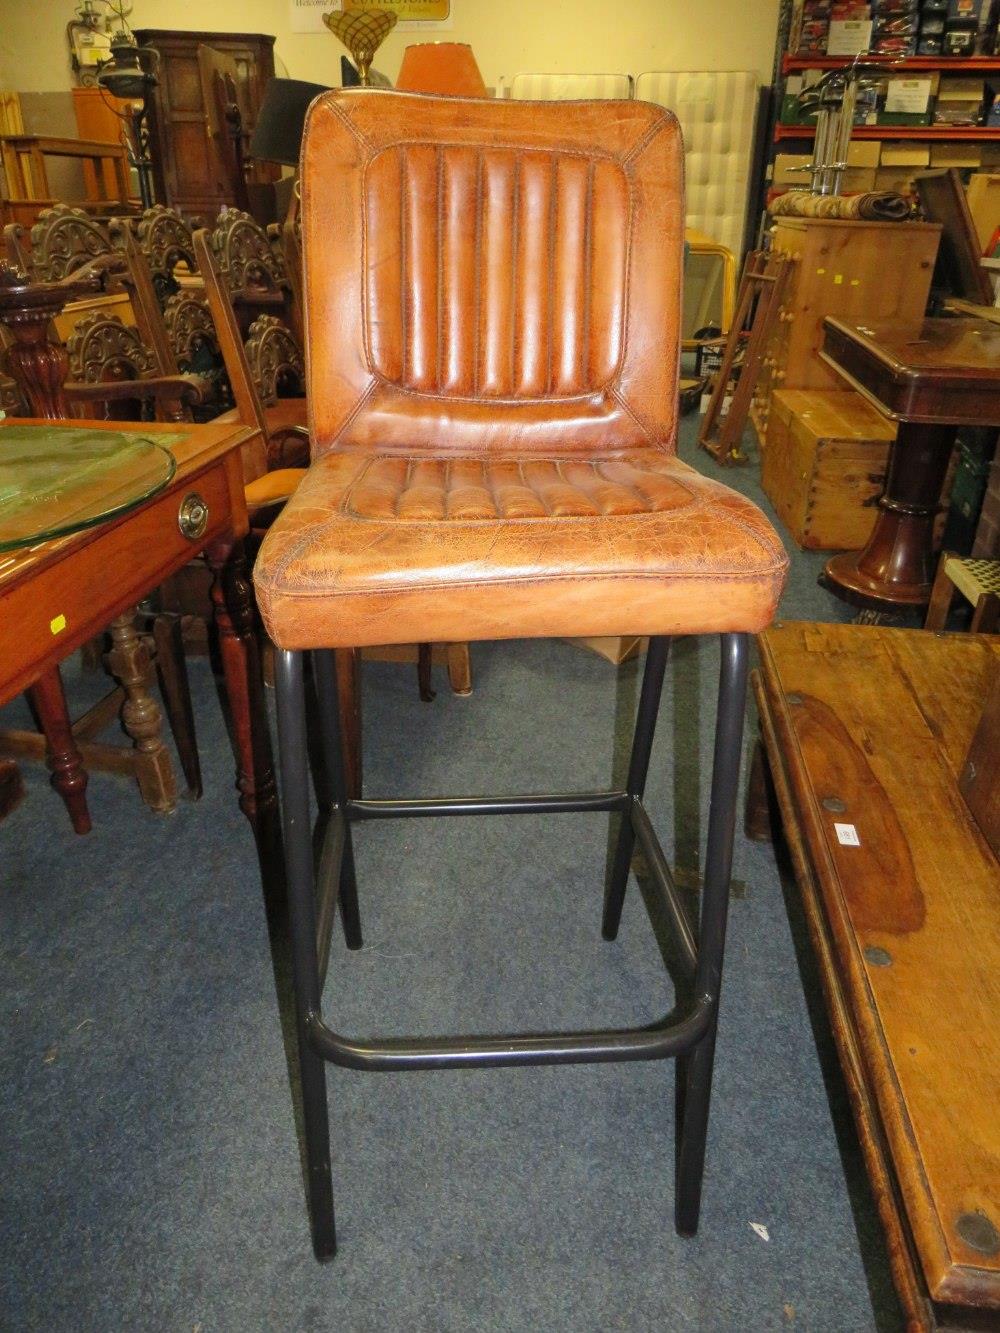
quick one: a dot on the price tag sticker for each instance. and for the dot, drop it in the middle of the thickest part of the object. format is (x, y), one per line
(847, 835)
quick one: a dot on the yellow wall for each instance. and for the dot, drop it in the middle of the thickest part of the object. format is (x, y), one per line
(605, 36)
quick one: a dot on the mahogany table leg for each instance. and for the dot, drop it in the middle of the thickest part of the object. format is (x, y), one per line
(896, 568)
(232, 600)
(69, 777)
(130, 664)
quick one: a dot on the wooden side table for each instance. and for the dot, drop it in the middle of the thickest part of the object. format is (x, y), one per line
(57, 594)
(931, 377)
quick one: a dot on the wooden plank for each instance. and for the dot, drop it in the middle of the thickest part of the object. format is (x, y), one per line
(854, 717)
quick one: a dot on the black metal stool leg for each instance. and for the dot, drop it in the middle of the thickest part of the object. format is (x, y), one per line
(325, 677)
(305, 963)
(642, 745)
(694, 1069)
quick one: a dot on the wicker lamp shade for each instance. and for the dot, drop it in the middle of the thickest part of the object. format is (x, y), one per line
(362, 32)
(441, 67)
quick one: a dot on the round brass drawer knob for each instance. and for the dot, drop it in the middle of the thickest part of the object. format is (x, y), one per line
(192, 517)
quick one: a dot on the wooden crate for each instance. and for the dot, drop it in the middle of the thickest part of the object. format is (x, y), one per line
(823, 467)
(863, 271)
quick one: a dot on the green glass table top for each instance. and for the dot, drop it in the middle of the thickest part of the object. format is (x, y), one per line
(55, 480)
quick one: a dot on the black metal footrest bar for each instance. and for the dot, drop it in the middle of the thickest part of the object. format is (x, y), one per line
(580, 802)
(659, 1041)
(655, 1042)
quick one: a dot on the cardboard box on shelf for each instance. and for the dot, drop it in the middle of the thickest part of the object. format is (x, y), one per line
(897, 179)
(956, 155)
(864, 153)
(959, 101)
(786, 176)
(857, 180)
(903, 154)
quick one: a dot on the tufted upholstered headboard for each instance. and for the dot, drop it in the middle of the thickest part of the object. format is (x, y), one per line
(570, 87)
(717, 111)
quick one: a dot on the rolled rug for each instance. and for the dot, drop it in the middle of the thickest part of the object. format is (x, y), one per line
(874, 206)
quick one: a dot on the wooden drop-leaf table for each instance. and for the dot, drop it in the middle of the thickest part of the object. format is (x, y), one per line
(866, 732)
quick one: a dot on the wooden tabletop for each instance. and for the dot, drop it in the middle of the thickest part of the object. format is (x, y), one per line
(57, 594)
(937, 372)
(867, 731)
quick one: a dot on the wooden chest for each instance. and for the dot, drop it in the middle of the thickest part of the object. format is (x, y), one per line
(861, 271)
(824, 459)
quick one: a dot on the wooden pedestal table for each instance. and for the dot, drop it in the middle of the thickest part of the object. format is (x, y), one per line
(57, 594)
(931, 378)
(866, 731)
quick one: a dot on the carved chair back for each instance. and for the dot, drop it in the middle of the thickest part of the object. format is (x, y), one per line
(251, 269)
(275, 360)
(164, 240)
(276, 356)
(63, 240)
(197, 349)
(103, 349)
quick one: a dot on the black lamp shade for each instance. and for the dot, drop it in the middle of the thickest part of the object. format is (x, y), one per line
(277, 136)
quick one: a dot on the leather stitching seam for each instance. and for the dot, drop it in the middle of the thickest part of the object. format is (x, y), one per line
(766, 575)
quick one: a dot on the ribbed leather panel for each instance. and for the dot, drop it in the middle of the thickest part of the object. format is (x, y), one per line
(471, 490)
(483, 302)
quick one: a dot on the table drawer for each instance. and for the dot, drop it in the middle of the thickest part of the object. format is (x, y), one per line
(46, 617)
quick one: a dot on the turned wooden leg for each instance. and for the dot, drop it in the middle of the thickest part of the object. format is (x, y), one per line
(171, 668)
(69, 777)
(130, 664)
(757, 823)
(424, 673)
(232, 600)
(349, 701)
(459, 668)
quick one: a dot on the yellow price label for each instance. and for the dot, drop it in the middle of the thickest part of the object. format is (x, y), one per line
(407, 11)
(57, 624)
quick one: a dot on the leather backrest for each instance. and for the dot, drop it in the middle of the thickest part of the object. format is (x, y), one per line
(491, 276)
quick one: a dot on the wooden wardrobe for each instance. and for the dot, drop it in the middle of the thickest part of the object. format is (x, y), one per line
(187, 172)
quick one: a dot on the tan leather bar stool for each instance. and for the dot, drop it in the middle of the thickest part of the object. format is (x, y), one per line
(493, 304)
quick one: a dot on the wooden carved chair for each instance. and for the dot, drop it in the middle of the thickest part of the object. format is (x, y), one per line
(272, 473)
(165, 240)
(112, 370)
(252, 271)
(63, 240)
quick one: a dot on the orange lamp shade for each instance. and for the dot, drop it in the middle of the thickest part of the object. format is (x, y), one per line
(441, 67)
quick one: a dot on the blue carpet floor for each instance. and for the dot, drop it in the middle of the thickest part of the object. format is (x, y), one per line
(149, 1170)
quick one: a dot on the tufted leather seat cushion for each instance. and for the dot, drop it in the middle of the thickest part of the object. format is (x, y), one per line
(374, 550)
(493, 308)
